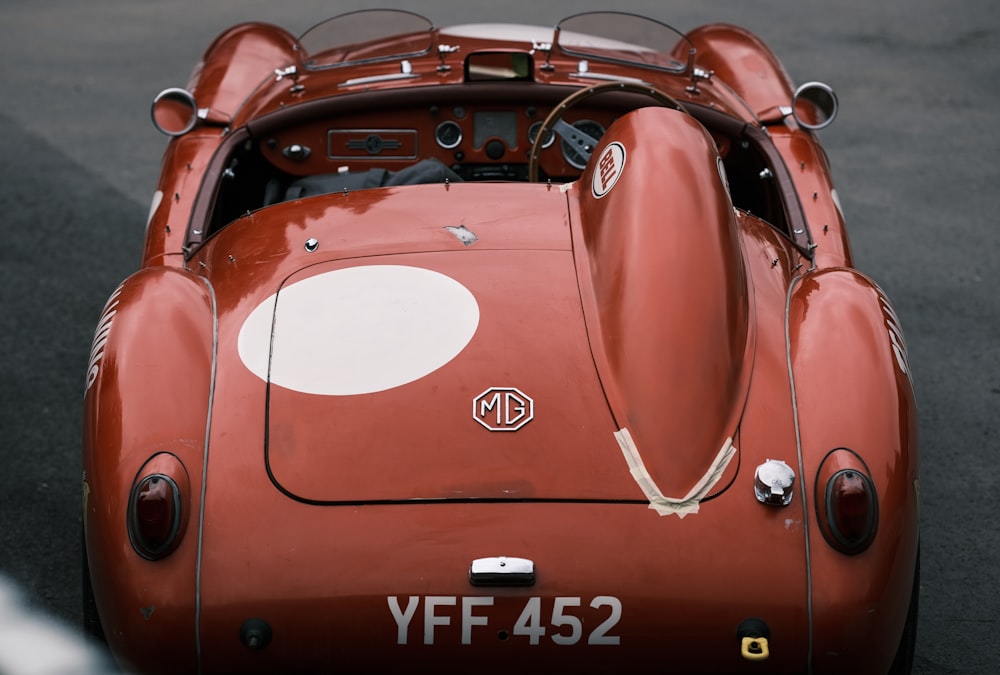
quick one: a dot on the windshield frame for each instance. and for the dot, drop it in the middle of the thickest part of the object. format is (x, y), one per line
(331, 41)
(604, 41)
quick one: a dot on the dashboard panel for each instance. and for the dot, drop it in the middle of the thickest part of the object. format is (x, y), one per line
(488, 142)
(294, 155)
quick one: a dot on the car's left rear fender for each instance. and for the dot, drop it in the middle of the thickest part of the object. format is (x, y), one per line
(147, 401)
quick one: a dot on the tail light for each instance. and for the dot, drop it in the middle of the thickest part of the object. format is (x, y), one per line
(158, 506)
(847, 504)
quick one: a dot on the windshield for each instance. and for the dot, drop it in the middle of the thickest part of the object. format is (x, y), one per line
(365, 35)
(624, 38)
(383, 34)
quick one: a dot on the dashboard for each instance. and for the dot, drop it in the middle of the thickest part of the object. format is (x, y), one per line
(486, 139)
(487, 142)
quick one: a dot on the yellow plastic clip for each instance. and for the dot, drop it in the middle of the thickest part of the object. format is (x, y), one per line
(755, 648)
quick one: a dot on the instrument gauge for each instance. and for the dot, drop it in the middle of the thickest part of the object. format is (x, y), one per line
(448, 134)
(533, 132)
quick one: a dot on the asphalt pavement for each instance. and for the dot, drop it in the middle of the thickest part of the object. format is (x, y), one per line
(914, 152)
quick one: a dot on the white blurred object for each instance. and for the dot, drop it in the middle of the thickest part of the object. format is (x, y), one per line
(34, 644)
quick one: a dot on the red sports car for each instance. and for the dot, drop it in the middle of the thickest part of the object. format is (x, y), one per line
(487, 347)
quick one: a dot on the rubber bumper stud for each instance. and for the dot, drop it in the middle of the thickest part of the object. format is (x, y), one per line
(255, 633)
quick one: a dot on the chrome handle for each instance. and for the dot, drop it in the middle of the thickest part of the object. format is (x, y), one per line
(502, 571)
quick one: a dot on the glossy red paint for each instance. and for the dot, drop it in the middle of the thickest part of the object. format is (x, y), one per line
(741, 59)
(170, 209)
(866, 403)
(158, 342)
(239, 60)
(592, 368)
(639, 244)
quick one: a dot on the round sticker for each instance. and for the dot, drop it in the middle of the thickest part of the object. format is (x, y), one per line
(608, 170)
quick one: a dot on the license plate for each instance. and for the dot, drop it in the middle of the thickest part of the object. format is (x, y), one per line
(563, 620)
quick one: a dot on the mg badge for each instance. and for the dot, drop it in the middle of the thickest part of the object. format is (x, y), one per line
(503, 409)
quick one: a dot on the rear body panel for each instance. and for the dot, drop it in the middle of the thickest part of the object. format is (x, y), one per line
(679, 596)
(368, 390)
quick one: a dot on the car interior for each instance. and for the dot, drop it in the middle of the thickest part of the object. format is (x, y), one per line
(465, 133)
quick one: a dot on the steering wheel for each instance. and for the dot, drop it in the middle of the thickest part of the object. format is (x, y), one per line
(555, 123)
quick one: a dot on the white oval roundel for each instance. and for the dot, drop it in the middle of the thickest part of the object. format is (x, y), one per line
(610, 166)
(358, 330)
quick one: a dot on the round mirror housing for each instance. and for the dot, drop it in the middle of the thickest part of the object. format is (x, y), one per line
(174, 112)
(814, 105)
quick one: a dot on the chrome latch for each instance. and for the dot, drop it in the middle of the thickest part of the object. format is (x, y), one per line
(282, 73)
(502, 571)
(443, 52)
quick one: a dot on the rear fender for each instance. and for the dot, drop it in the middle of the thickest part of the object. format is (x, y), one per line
(146, 403)
(853, 390)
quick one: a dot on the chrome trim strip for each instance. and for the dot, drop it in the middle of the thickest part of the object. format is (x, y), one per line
(204, 473)
(802, 482)
(371, 79)
(587, 75)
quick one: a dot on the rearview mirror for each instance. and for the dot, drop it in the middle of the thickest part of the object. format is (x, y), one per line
(814, 105)
(174, 112)
(493, 66)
